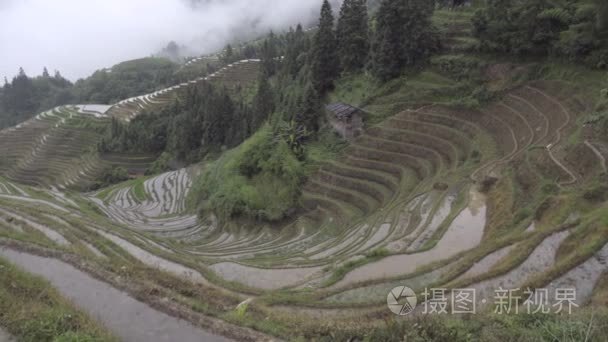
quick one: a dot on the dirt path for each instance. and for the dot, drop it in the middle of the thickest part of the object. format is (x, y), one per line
(599, 155)
(125, 317)
(558, 137)
(573, 177)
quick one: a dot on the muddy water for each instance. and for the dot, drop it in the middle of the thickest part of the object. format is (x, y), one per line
(154, 261)
(268, 279)
(464, 233)
(125, 317)
(49, 233)
(583, 277)
(5, 337)
(377, 293)
(485, 264)
(356, 236)
(541, 259)
(438, 217)
(378, 236)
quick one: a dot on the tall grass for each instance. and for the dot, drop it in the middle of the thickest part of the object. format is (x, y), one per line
(31, 310)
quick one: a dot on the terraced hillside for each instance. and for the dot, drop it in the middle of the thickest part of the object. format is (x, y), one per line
(239, 74)
(58, 149)
(474, 170)
(508, 195)
(54, 148)
(407, 203)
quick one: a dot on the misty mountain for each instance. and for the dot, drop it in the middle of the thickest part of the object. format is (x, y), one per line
(80, 37)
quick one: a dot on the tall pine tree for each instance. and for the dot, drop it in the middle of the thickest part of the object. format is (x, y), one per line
(325, 64)
(296, 46)
(420, 40)
(309, 110)
(352, 35)
(404, 36)
(386, 48)
(269, 55)
(263, 103)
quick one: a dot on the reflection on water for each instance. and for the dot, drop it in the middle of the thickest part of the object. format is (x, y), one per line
(464, 233)
(125, 317)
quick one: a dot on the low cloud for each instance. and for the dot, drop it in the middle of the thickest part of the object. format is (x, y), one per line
(78, 37)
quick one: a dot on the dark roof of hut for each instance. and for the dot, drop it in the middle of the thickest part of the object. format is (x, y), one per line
(341, 110)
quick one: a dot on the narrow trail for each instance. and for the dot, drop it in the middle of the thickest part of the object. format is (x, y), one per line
(573, 177)
(599, 155)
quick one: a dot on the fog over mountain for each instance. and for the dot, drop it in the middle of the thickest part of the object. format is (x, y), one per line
(78, 37)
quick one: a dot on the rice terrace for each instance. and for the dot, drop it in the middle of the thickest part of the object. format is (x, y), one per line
(405, 170)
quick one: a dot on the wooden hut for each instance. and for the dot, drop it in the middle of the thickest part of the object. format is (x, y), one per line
(346, 120)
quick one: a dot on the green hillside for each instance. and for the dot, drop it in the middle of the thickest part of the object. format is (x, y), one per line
(288, 187)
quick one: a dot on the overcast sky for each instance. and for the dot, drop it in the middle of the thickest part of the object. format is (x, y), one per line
(78, 37)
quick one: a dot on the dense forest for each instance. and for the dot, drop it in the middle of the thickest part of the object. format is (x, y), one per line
(576, 30)
(207, 118)
(23, 97)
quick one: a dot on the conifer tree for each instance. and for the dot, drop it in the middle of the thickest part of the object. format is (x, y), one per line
(352, 35)
(310, 110)
(325, 62)
(269, 55)
(296, 46)
(386, 48)
(404, 36)
(263, 103)
(228, 55)
(419, 40)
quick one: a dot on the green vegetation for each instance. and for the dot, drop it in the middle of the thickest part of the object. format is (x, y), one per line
(575, 30)
(259, 180)
(31, 310)
(301, 90)
(391, 53)
(325, 63)
(125, 80)
(352, 35)
(584, 326)
(24, 97)
(112, 175)
(440, 125)
(207, 119)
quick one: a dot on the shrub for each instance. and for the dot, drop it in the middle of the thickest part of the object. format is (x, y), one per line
(160, 165)
(110, 175)
(596, 194)
(259, 180)
(458, 66)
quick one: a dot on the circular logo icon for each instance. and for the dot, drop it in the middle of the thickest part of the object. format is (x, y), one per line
(401, 300)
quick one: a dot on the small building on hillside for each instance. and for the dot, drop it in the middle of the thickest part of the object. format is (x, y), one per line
(346, 120)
